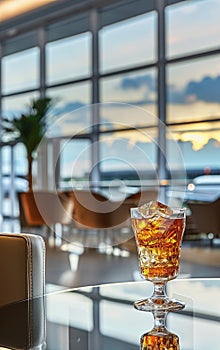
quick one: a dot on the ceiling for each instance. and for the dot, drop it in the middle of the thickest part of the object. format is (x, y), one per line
(22, 16)
(13, 8)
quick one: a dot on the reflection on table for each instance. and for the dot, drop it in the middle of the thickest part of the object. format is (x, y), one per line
(104, 318)
(22, 325)
(159, 339)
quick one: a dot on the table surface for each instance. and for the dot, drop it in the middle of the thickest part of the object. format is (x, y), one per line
(103, 317)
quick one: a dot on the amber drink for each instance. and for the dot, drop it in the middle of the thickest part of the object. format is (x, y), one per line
(158, 245)
(158, 232)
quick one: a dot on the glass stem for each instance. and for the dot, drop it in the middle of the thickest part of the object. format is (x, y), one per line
(160, 320)
(159, 290)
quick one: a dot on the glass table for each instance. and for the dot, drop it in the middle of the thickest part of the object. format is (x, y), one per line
(103, 318)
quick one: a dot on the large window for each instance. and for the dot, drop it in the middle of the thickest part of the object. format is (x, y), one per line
(136, 89)
(109, 55)
(20, 71)
(129, 156)
(75, 162)
(192, 26)
(70, 107)
(128, 43)
(193, 82)
(200, 146)
(193, 90)
(68, 58)
(16, 104)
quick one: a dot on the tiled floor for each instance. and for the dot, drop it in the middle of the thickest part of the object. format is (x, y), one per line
(91, 267)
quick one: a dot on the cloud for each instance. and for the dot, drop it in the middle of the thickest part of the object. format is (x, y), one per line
(67, 108)
(207, 89)
(175, 95)
(144, 83)
(138, 82)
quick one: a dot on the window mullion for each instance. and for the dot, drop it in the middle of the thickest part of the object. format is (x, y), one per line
(161, 86)
(95, 155)
(41, 43)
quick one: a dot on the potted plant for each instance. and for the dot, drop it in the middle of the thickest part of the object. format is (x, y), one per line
(29, 128)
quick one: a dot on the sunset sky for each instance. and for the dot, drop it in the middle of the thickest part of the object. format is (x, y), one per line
(193, 86)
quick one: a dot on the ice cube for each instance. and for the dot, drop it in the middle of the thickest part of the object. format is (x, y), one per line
(155, 208)
(148, 209)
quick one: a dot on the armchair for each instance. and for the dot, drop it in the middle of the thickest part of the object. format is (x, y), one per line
(22, 274)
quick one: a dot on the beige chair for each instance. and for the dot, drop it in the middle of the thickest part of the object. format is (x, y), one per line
(22, 275)
(44, 208)
(92, 211)
(206, 216)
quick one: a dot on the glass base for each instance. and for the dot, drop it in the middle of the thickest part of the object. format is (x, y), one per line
(157, 304)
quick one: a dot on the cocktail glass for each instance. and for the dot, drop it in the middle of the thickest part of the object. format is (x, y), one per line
(158, 233)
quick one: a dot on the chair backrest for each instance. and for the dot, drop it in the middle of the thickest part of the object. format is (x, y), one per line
(92, 210)
(206, 216)
(22, 267)
(22, 275)
(45, 208)
(29, 213)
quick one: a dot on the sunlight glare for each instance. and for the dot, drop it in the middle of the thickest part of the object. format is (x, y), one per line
(12, 8)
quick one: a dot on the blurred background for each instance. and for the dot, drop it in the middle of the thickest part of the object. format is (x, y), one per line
(161, 56)
(118, 71)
